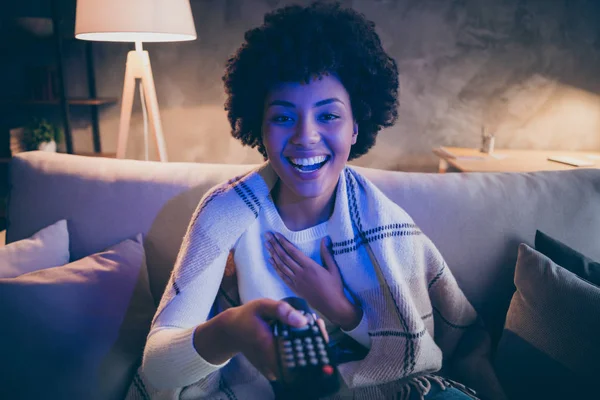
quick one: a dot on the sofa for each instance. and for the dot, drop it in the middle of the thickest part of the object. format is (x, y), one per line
(478, 222)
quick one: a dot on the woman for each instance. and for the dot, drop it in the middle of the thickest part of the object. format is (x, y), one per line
(311, 88)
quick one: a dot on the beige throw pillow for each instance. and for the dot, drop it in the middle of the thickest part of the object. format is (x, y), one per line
(550, 346)
(47, 248)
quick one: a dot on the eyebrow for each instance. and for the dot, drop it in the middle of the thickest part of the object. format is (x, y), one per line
(320, 103)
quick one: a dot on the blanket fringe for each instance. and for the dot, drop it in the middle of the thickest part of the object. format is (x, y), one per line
(422, 386)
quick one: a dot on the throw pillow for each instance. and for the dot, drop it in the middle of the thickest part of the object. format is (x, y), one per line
(549, 348)
(568, 257)
(47, 248)
(76, 331)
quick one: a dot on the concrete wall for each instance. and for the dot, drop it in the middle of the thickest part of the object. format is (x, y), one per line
(527, 70)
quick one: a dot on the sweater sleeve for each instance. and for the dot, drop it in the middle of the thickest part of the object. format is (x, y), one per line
(170, 359)
(361, 332)
(173, 360)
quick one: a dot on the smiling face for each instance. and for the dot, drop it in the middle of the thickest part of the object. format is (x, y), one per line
(307, 132)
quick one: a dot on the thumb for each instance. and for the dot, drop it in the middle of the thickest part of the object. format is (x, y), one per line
(280, 310)
(328, 257)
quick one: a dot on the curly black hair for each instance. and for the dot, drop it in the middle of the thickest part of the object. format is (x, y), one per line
(297, 44)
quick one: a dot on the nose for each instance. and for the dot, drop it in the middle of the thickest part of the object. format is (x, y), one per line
(306, 133)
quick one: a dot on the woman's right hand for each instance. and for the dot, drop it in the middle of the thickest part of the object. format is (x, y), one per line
(246, 329)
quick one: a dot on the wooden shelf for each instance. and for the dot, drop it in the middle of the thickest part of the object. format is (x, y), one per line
(107, 155)
(6, 160)
(71, 101)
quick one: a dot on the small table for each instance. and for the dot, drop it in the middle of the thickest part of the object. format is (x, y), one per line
(460, 159)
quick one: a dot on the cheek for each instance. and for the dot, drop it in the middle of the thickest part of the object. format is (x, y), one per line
(273, 140)
(340, 143)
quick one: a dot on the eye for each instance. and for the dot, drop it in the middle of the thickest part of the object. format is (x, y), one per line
(281, 119)
(329, 117)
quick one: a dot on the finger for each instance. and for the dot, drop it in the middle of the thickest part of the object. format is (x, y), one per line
(280, 310)
(279, 264)
(271, 363)
(281, 267)
(283, 259)
(327, 257)
(269, 358)
(288, 280)
(292, 256)
(277, 247)
(264, 359)
(264, 370)
(321, 324)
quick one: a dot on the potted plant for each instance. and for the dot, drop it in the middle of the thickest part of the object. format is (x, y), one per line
(42, 135)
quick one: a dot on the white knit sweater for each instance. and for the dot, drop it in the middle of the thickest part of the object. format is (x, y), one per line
(256, 279)
(416, 312)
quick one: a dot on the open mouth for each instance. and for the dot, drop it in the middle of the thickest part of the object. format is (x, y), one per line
(311, 164)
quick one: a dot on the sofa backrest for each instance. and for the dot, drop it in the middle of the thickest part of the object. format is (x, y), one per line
(476, 220)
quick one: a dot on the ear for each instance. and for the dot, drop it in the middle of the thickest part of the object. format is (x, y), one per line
(355, 133)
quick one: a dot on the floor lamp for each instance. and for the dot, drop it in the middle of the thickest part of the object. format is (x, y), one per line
(136, 21)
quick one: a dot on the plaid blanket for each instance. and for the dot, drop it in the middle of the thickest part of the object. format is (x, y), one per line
(416, 315)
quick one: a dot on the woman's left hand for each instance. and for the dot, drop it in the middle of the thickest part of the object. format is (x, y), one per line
(321, 286)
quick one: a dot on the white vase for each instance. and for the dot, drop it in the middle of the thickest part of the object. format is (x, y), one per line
(48, 146)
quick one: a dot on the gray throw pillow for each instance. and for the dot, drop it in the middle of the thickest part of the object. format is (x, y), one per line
(76, 331)
(550, 345)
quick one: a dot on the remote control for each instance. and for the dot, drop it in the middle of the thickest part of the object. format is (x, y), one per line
(306, 367)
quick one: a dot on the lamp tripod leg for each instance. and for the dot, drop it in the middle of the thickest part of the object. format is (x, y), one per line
(153, 111)
(138, 66)
(126, 108)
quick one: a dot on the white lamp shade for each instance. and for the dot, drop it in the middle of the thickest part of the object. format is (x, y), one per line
(134, 20)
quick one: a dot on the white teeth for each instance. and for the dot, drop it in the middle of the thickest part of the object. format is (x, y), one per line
(308, 161)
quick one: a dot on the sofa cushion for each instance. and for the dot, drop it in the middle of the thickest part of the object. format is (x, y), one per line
(48, 247)
(549, 348)
(568, 257)
(76, 331)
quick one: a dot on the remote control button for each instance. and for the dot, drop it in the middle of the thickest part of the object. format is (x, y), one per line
(308, 340)
(289, 357)
(288, 350)
(310, 347)
(302, 328)
(320, 346)
(299, 348)
(325, 360)
(314, 361)
(312, 354)
(327, 369)
(297, 341)
(302, 363)
(315, 329)
(290, 364)
(287, 343)
(319, 339)
(300, 355)
(322, 353)
(285, 333)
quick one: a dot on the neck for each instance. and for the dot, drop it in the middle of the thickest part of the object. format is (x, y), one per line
(300, 213)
